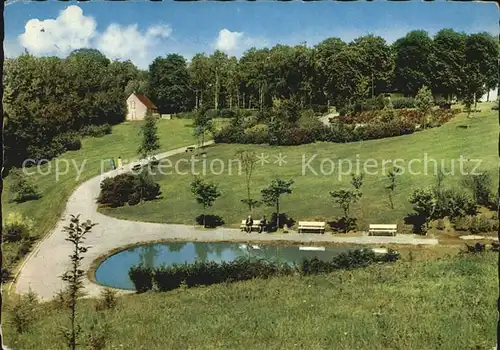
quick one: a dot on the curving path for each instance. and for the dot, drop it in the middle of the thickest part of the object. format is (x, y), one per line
(42, 269)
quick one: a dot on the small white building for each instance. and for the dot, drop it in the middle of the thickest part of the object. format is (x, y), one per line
(138, 105)
(491, 96)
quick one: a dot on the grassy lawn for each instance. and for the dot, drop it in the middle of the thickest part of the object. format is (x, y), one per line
(123, 142)
(310, 198)
(447, 303)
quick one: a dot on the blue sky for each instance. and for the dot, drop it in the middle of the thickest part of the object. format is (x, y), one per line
(141, 31)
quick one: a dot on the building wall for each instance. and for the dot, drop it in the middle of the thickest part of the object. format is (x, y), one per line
(135, 109)
(493, 96)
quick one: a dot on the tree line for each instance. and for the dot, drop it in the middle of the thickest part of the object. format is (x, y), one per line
(50, 101)
(332, 72)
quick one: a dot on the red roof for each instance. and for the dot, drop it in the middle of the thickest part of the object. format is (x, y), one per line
(146, 101)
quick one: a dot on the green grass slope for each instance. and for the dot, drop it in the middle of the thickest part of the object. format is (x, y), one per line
(123, 142)
(435, 304)
(310, 198)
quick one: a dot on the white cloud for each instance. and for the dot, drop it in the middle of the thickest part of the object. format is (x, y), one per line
(69, 31)
(128, 42)
(228, 41)
(235, 43)
(73, 30)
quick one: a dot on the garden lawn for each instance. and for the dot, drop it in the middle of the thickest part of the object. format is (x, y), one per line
(448, 303)
(310, 199)
(123, 142)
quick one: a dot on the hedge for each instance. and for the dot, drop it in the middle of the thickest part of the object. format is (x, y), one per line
(165, 278)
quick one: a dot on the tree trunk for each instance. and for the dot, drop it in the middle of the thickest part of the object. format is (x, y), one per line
(277, 214)
(488, 96)
(196, 99)
(216, 97)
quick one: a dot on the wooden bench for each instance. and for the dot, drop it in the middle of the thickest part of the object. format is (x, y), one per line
(383, 228)
(255, 225)
(312, 225)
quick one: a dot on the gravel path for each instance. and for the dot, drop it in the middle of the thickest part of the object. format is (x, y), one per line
(42, 269)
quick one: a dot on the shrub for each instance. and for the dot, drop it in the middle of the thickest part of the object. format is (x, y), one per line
(21, 188)
(244, 268)
(403, 102)
(227, 113)
(117, 190)
(98, 333)
(127, 188)
(210, 220)
(96, 130)
(319, 109)
(67, 142)
(17, 227)
(23, 311)
(461, 223)
(480, 224)
(108, 300)
(142, 278)
(440, 224)
(258, 134)
(481, 185)
(454, 203)
(212, 113)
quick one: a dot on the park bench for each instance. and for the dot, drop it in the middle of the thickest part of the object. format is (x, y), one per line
(382, 228)
(190, 149)
(312, 226)
(255, 225)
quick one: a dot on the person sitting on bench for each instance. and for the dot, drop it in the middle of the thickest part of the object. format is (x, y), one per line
(249, 223)
(263, 224)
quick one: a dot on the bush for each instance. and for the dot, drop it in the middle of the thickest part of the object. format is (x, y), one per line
(227, 113)
(127, 188)
(454, 203)
(404, 102)
(21, 189)
(23, 311)
(319, 109)
(185, 115)
(67, 142)
(210, 220)
(212, 113)
(461, 223)
(258, 134)
(167, 278)
(98, 333)
(17, 227)
(142, 278)
(480, 224)
(108, 300)
(481, 185)
(96, 130)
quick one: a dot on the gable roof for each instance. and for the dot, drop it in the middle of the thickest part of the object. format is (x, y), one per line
(146, 101)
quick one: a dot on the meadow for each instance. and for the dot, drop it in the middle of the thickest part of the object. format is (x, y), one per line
(474, 139)
(420, 302)
(123, 142)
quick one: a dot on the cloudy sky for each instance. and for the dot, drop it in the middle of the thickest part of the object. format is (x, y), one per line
(141, 31)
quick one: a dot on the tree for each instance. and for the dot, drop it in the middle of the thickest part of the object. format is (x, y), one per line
(271, 195)
(150, 141)
(202, 124)
(377, 62)
(424, 203)
(169, 84)
(326, 52)
(424, 102)
(248, 160)
(391, 187)
(449, 62)
(205, 193)
(346, 197)
(74, 276)
(199, 72)
(413, 59)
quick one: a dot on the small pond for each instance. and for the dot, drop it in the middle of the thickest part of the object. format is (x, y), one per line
(113, 271)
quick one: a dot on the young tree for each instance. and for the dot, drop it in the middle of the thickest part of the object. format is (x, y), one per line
(202, 125)
(271, 195)
(205, 193)
(424, 102)
(77, 231)
(150, 140)
(345, 198)
(248, 160)
(391, 187)
(424, 203)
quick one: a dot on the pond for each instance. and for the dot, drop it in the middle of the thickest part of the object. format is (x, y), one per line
(113, 272)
